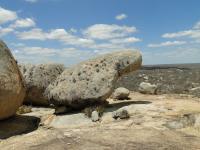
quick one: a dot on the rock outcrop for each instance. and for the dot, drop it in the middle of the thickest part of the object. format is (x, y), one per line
(147, 88)
(12, 90)
(37, 78)
(121, 93)
(92, 80)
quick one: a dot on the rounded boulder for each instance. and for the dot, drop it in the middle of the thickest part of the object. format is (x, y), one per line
(12, 90)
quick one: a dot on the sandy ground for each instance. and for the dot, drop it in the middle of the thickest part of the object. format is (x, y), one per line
(146, 129)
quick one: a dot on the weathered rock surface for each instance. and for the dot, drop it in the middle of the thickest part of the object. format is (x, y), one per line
(37, 78)
(147, 88)
(92, 80)
(144, 130)
(12, 90)
(121, 93)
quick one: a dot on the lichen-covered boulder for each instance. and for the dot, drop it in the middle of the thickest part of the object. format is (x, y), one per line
(121, 93)
(37, 78)
(12, 90)
(93, 80)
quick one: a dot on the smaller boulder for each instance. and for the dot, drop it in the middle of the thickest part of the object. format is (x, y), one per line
(148, 88)
(120, 113)
(95, 116)
(121, 93)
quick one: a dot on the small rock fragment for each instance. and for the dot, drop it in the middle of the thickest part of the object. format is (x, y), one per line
(148, 88)
(121, 93)
(95, 116)
(120, 113)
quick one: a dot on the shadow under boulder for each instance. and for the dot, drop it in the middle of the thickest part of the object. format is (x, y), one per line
(18, 125)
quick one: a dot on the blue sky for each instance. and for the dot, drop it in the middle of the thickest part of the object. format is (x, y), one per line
(69, 31)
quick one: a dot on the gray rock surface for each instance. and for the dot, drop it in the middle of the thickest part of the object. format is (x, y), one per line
(121, 93)
(92, 80)
(37, 78)
(120, 113)
(95, 116)
(12, 90)
(147, 88)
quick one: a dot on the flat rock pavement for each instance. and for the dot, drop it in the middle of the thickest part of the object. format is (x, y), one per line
(145, 129)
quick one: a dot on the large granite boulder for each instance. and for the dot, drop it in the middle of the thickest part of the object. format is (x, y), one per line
(37, 78)
(93, 80)
(12, 90)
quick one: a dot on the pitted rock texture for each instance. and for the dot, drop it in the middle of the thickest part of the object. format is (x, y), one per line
(12, 90)
(37, 78)
(93, 80)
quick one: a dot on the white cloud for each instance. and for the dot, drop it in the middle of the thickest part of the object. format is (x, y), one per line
(38, 51)
(121, 16)
(55, 34)
(186, 54)
(23, 23)
(5, 31)
(33, 34)
(186, 49)
(168, 43)
(115, 38)
(191, 33)
(177, 34)
(197, 25)
(125, 40)
(72, 30)
(32, 1)
(105, 31)
(37, 55)
(7, 15)
(67, 38)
